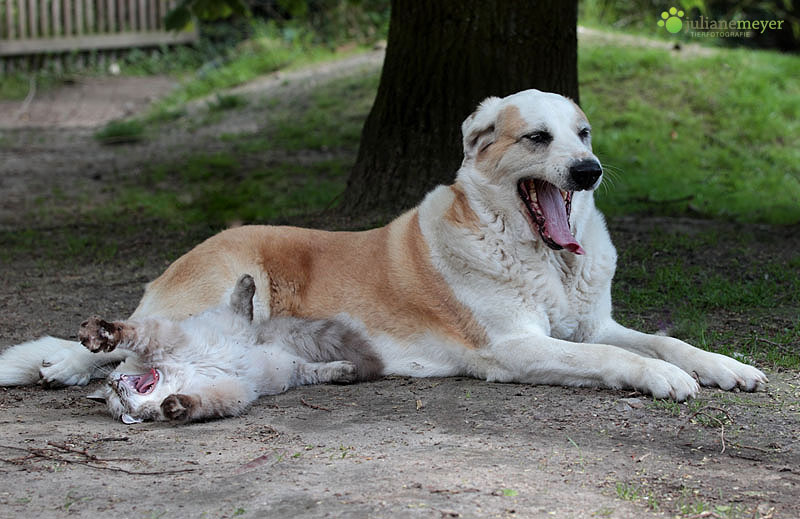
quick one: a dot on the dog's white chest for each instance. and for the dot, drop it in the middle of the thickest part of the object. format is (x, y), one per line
(577, 292)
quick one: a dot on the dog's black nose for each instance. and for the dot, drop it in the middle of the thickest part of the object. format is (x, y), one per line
(584, 174)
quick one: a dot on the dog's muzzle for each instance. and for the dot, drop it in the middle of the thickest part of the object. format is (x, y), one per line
(584, 174)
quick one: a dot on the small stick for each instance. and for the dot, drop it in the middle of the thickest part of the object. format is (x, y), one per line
(90, 457)
(707, 513)
(313, 406)
(42, 453)
(703, 411)
(759, 449)
(782, 347)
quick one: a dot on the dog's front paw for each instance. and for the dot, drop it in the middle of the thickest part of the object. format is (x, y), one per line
(713, 369)
(99, 335)
(664, 380)
(178, 407)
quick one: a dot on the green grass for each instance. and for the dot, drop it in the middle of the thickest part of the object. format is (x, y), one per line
(14, 87)
(322, 122)
(218, 191)
(222, 102)
(271, 48)
(296, 165)
(121, 132)
(692, 298)
(632, 492)
(715, 136)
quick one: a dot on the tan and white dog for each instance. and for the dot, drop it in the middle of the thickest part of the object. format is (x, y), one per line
(504, 275)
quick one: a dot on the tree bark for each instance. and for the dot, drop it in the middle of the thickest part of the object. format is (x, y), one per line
(443, 57)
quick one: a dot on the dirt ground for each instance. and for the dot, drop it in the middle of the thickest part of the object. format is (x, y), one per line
(397, 447)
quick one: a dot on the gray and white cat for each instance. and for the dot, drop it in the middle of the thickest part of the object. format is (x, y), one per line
(216, 363)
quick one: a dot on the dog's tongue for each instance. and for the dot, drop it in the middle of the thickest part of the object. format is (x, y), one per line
(555, 216)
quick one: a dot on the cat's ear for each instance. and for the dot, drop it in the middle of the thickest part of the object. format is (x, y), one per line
(97, 396)
(129, 420)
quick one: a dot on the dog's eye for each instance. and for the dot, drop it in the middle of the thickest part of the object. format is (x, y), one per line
(584, 133)
(540, 137)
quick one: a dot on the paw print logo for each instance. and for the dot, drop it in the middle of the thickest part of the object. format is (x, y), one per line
(671, 20)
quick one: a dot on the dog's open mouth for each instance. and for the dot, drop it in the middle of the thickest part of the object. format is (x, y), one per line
(143, 384)
(549, 209)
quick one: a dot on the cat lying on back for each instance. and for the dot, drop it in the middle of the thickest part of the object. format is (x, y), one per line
(217, 363)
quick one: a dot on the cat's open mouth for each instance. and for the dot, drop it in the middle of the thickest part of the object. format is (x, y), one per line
(144, 383)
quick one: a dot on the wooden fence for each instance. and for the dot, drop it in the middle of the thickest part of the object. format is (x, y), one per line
(48, 27)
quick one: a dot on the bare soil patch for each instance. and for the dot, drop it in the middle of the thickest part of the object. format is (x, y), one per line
(397, 447)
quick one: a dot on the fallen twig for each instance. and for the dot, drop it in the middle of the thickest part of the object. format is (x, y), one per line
(753, 448)
(707, 513)
(313, 406)
(86, 454)
(781, 347)
(448, 491)
(263, 461)
(703, 411)
(88, 462)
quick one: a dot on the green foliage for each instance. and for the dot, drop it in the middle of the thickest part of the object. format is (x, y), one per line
(335, 21)
(182, 14)
(330, 20)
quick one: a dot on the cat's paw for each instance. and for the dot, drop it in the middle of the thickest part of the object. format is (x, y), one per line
(99, 335)
(342, 372)
(178, 407)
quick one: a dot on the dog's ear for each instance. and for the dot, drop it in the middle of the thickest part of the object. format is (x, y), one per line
(479, 128)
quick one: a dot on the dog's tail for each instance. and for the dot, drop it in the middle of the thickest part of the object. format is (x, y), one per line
(20, 364)
(52, 362)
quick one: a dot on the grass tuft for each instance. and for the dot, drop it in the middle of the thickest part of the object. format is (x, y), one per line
(224, 102)
(121, 132)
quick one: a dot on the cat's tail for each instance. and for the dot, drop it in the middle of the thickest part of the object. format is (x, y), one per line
(53, 362)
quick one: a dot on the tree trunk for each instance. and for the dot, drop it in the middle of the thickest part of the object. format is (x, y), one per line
(443, 57)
